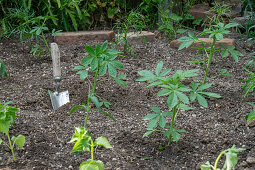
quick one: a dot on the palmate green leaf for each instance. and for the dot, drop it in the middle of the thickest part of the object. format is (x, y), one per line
(172, 100)
(90, 50)
(155, 109)
(121, 82)
(201, 100)
(117, 64)
(162, 121)
(147, 133)
(149, 116)
(92, 165)
(159, 68)
(146, 75)
(19, 140)
(104, 46)
(102, 141)
(190, 73)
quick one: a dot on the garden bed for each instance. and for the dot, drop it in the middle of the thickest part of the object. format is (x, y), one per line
(209, 130)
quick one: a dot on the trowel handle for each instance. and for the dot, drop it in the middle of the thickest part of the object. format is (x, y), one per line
(55, 60)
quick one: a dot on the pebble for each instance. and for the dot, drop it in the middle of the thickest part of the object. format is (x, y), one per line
(114, 159)
(70, 167)
(250, 160)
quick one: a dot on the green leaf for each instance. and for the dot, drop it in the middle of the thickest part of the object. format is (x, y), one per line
(168, 113)
(219, 36)
(163, 92)
(162, 121)
(147, 134)
(95, 100)
(111, 70)
(204, 86)
(103, 69)
(104, 46)
(249, 117)
(111, 12)
(182, 97)
(202, 101)
(103, 142)
(79, 67)
(175, 17)
(153, 123)
(176, 136)
(186, 44)
(150, 116)
(90, 50)
(206, 166)
(159, 68)
(77, 107)
(83, 74)
(91, 165)
(5, 126)
(211, 94)
(1, 141)
(192, 96)
(19, 140)
(172, 100)
(107, 114)
(155, 109)
(117, 64)
(185, 107)
(181, 31)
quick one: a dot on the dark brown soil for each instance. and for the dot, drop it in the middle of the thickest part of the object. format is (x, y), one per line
(209, 131)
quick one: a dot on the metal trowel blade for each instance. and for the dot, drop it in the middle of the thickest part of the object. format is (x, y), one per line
(59, 99)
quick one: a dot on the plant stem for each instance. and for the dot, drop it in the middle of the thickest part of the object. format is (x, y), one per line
(209, 59)
(11, 147)
(172, 123)
(92, 150)
(46, 43)
(217, 160)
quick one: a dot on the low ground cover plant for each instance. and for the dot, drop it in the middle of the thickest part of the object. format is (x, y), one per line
(100, 61)
(7, 118)
(178, 95)
(216, 33)
(230, 162)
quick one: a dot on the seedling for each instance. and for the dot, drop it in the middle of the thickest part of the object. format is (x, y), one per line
(84, 142)
(178, 95)
(97, 64)
(230, 162)
(7, 118)
(216, 33)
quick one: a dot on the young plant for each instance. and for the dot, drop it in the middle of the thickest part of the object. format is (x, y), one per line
(39, 31)
(97, 64)
(3, 72)
(134, 21)
(230, 162)
(7, 118)
(84, 142)
(215, 33)
(178, 95)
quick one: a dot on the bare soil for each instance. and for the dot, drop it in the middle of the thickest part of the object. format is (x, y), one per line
(209, 130)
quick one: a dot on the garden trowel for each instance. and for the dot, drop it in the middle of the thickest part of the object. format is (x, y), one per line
(58, 99)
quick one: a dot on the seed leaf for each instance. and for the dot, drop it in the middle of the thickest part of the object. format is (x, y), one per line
(19, 140)
(103, 142)
(92, 165)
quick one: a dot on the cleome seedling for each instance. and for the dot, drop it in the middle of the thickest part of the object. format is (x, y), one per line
(178, 96)
(7, 118)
